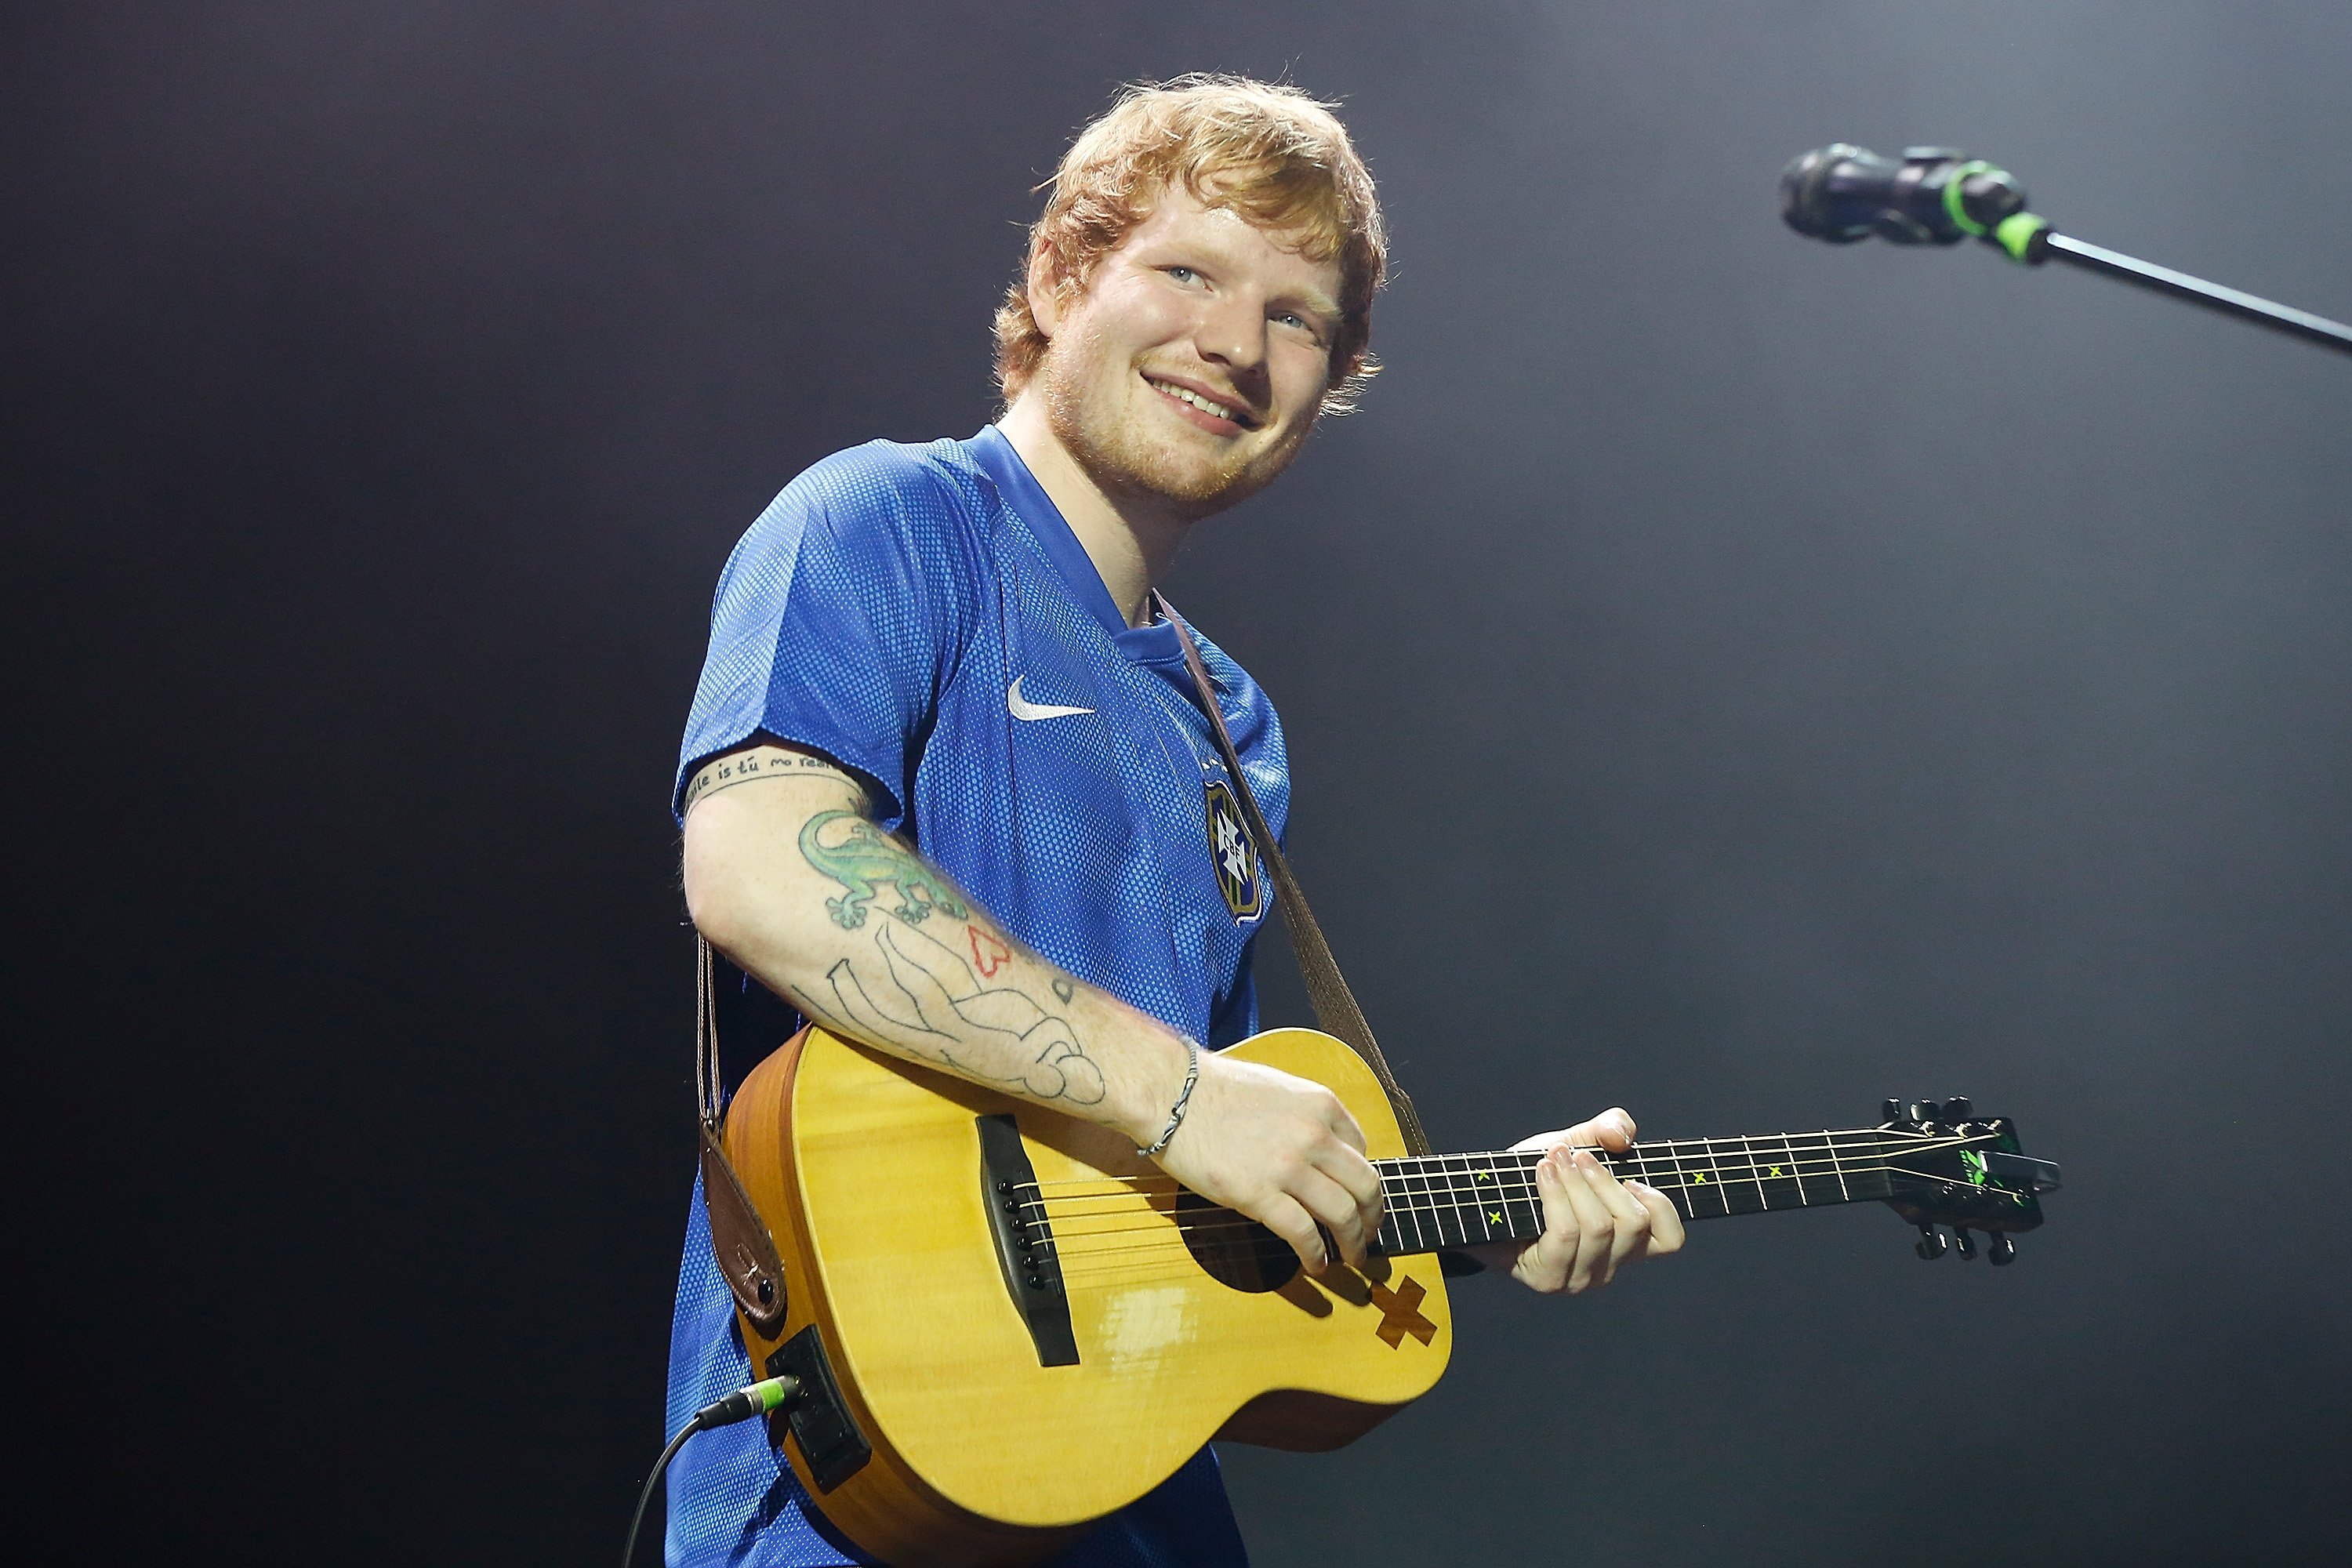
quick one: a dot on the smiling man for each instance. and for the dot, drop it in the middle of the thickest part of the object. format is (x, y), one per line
(947, 787)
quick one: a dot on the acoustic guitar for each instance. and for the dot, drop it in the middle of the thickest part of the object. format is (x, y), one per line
(1004, 1323)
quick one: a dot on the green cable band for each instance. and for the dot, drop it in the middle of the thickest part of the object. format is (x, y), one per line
(1952, 202)
(2016, 234)
(772, 1393)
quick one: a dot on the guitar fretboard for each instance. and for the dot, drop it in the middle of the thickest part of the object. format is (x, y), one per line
(1439, 1201)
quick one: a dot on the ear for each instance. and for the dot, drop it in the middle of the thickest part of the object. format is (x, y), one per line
(1044, 283)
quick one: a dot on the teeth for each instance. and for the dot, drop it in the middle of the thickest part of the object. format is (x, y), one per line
(1186, 395)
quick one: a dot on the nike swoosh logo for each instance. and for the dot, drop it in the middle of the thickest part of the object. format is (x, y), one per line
(1022, 707)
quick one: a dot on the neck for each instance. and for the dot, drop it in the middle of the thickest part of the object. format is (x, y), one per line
(1439, 1201)
(1130, 538)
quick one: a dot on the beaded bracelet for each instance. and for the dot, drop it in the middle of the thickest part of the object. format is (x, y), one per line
(1184, 1096)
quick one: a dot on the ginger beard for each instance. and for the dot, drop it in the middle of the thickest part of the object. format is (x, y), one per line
(1102, 410)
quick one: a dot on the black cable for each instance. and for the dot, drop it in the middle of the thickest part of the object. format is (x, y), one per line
(740, 1405)
(645, 1493)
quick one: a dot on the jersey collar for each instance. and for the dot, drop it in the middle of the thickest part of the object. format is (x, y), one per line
(1152, 644)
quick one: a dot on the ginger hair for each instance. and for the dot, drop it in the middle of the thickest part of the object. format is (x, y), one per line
(1269, 153)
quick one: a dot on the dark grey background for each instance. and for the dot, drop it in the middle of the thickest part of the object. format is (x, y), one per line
(1727, 676)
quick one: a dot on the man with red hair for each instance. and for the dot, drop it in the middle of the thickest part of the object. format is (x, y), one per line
(946, 671)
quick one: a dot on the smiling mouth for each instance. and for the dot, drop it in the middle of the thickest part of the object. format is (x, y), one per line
(1206, 404)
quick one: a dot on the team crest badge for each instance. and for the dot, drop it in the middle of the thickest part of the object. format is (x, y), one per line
(1234, 856)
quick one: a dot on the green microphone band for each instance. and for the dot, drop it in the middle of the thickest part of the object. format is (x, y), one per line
(1956, 208)
(2017, 233)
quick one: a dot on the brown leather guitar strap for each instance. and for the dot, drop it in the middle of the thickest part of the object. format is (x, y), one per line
(739, 1238)
(1326, 989)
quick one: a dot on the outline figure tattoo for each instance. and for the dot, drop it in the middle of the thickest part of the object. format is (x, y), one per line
(935, 1005)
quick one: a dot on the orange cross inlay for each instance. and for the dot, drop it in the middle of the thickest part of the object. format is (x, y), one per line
(1400, 1314)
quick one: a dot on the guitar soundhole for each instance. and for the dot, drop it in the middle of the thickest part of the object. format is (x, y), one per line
(1234, 1251)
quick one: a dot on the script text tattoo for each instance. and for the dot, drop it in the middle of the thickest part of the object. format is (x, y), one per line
(761, 762)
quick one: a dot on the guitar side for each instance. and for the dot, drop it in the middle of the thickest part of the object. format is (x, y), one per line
(868, 1172)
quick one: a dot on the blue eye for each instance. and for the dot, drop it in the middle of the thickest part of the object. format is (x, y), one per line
(1183, 274)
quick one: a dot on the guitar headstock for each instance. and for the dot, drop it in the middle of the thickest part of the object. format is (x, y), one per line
(1946, 1166)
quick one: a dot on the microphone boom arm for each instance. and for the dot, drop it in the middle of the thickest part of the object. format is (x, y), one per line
(2229, 302)
(1936, 196)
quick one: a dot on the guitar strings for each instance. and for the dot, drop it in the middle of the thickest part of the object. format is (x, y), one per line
(1200, 1223)
(1860, 1144)
(1090, 1263)
(1517, 1194)
(1151, 1258)
(1759, 1169)
(1174, 1225)
(1507, 1191)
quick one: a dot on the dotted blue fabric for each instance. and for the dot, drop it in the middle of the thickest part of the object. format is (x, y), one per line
(880, 611)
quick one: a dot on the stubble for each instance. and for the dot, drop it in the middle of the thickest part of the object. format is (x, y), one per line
(1115, 449)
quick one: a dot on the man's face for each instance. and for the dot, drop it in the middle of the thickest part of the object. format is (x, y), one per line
(1194, 363)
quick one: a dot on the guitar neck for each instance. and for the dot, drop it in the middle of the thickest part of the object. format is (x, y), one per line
(1439, 1201)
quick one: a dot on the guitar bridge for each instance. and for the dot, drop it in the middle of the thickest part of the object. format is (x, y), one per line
(1025, 1240)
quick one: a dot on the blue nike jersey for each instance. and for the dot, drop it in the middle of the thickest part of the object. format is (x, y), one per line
(924, 616)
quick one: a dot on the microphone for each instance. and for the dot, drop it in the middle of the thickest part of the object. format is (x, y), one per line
(1931, 196)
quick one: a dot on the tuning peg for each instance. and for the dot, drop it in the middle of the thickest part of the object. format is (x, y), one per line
(1925, 1110)
(1956, 1108)
(2000, 1250)
(1968, 1243)
(1930, 1245)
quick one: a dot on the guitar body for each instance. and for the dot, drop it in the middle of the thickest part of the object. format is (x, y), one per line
(871, 1175)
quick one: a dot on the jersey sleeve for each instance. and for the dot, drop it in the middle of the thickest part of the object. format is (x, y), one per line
(837, 621)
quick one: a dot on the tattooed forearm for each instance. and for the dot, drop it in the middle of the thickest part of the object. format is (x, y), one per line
(917, 994)
(759, 762)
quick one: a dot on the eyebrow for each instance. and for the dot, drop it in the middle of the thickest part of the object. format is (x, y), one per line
(1317, 301)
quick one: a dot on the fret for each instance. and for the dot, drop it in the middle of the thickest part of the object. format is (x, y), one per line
(1716, 1190)
(1431, 1200)
(1711, 1179)
(1779, 1172)
(1412, 1206)
(1475, 1199)
(1816, 1166)
(1677, 1186)
(1837, 1164)
(1397, 1238)
(1420, 1202)
(1670, 1182)
(1392, 1239)
(1797, 1167)
(1865, 1166)
(1485, 1191)
(1526, 1208)
(1467, 1218)
(1438, 1189)
(1402, 1191)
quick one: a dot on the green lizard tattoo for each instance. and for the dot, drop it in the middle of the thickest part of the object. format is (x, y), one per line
(867, 857)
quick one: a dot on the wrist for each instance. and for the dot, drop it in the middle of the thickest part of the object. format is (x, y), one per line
(1153, 1146)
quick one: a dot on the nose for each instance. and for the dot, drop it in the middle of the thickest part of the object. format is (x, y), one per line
(1232, 334)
